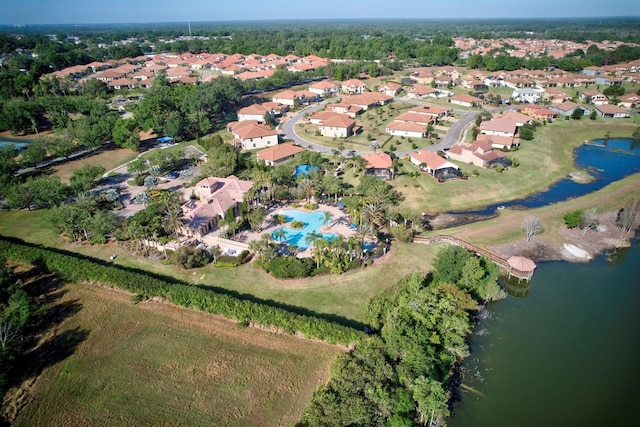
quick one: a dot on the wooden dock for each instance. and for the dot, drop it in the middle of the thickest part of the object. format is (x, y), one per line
(503, 263)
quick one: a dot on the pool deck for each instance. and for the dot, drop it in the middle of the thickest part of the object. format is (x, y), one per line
(338, 225)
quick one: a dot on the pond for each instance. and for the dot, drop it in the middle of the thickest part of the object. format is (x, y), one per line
(312, 223)
(562, 352)
(606, 160)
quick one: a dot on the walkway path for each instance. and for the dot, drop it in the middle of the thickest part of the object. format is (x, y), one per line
(500, 261)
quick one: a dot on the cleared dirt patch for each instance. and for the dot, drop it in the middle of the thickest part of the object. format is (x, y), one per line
(156, 364)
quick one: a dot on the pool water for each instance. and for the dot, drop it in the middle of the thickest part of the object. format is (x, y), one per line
(312, 223)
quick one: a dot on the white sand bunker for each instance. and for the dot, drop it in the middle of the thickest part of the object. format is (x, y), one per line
(575, 252)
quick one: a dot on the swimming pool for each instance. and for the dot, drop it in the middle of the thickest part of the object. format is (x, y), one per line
(312, 223)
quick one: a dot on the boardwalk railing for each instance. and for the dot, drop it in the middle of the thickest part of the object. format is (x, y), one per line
(500, 261)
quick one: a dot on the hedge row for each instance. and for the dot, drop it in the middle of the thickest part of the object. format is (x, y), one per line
(72, 268)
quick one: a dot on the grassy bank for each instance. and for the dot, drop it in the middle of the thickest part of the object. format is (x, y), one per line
(156, 364)
(544, 160)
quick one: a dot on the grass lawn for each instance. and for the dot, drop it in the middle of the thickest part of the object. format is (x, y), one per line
(108, 158)
(156, 364)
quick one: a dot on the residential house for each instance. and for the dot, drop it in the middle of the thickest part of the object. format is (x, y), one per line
(529, 95)
(368, 100)
(250, 135)
(325, 88)
(423, 77)
(568, 107)
(288, 97)
(433, 111)
(379, 165)
(539, 112)
(390, 88)
(594, 97)
(479, 153)
(415, 117)
(434, 165)
(499, 142)
(408, 129)
(353, 86)
(557, 95)
(502, 126)
(255, 112)
(340, 126)
(216, 197)
(629, 101)
(465, 100)
(473, 84)
(347, 109)
(494, 81)
(419, 92)
(443, 82)
(611, 111)
(279, 154)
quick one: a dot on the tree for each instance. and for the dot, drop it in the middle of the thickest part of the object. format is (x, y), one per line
(629, 215)
(125, 134)
(151, 182)
(589, 219)
(531, 227)
(577, 114)
(328, 216)
(190, 257)
(526, 132)
(280, 234)
(35, 153)
(84, 179)
(593, 115)
(173, 221)
(572, 219)
(255, 217)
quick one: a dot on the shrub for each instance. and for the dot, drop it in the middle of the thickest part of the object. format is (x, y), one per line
(289, 267)
(297, 224)
(572, 219)
(190, 257)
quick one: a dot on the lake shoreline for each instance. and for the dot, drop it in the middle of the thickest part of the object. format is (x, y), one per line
(573, 245)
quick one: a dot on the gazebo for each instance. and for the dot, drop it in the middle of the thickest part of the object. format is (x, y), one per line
(521, 267)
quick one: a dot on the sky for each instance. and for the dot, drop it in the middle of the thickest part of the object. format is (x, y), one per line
(33, 12)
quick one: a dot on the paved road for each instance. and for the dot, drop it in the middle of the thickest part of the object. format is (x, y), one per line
(452, 136)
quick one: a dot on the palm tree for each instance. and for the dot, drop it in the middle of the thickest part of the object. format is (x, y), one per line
(374, 213)
(364, 232)
(112, 195)
(280, 234)
(308, 187)
(173, 221)
(353, 245)
(328, 216)
(311, 238)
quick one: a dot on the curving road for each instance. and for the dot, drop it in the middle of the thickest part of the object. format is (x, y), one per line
(452, 136)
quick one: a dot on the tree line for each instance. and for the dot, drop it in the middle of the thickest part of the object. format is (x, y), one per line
(403, 374)
(74, 268)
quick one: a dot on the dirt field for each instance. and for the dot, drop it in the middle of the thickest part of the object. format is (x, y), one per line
(156, 364)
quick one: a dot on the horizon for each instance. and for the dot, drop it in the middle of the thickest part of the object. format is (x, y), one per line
(103, 12)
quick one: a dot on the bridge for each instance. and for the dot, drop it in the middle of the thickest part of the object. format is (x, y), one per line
(503, 263)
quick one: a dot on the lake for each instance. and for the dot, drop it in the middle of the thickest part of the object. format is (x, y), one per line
(564, 352)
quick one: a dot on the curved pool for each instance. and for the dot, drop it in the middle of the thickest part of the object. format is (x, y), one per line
(312, 223)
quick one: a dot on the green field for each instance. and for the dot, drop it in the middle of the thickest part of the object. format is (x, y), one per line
(156, 364)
